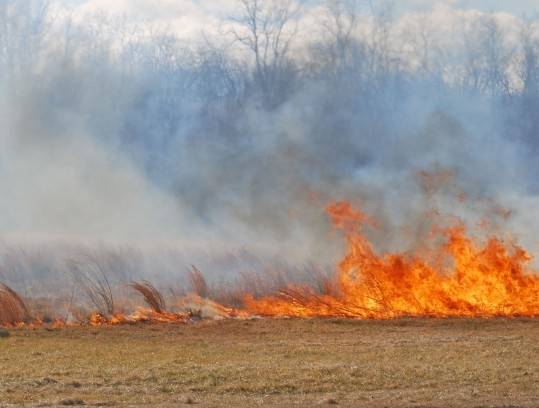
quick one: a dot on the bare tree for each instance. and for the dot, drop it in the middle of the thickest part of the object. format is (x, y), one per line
(24, 26)
(341, 23)
(267, 29)
(529, 67)
(486, 59)
(525, 117)
(425, 56)
(497, 58)
(380, 55)
(342, 50)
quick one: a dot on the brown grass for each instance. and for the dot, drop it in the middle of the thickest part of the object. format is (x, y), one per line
(266, 283)
(12, 308)
(91, 277)
(278, 363)
(151, 295)
(199, 285)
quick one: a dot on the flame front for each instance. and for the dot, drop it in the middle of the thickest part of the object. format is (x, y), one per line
(452, 276)
(469, 279)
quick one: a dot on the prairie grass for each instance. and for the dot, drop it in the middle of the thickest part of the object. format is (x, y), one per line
(12, 308)
(402, 363)
(151, 295)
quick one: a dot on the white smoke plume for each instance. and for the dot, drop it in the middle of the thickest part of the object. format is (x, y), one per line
(119, 133)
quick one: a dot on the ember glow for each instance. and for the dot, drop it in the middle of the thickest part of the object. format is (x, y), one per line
(467, 279)
(191, 306)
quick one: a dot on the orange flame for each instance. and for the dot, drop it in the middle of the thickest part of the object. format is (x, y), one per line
(141, 315)
(457, 277)
(485, 280)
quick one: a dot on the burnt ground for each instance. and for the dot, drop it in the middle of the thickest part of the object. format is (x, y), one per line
(274, 363)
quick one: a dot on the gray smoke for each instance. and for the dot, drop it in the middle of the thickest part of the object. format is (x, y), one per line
(114, 136)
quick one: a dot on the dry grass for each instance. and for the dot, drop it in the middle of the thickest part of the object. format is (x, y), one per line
(90, 275)
(12, 308)
(274, 363)
(151, 295)
(199, 285)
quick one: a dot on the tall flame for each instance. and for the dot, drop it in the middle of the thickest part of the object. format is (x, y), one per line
(454, 276)
(476, 280)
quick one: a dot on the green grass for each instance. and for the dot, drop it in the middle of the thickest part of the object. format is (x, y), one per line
(403, 363)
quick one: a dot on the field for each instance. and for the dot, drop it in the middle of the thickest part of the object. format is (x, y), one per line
(287, 362)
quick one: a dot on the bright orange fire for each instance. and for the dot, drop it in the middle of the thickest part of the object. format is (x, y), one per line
(470, 280)
(193, 305)
(147, 315)
(454, 276)
(139, 316)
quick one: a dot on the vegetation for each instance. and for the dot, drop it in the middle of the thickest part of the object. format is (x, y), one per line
(12, 308)
(245, 132)
(151, 295)
(403, 363)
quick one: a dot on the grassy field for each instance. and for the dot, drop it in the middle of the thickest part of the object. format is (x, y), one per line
(404, 363)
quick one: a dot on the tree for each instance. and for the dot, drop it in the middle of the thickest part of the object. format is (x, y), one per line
(342, 50)
(486, 59)
(23, 30)
(267, 29)
(525, 116)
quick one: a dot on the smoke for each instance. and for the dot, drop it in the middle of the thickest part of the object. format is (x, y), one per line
(116, 135)
(72, 185)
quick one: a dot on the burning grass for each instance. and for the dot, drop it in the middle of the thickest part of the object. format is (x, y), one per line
(151, 295)
(372, 355)
(13, 310)
(198, 282)
(461, 277)
(454, 275)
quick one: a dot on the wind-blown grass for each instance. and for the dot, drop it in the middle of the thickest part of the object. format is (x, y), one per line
(13, 310)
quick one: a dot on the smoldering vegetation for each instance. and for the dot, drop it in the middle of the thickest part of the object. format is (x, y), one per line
(129, 153)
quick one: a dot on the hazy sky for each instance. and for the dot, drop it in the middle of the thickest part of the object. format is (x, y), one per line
(186, 17)
(518, 7)
(153, 6)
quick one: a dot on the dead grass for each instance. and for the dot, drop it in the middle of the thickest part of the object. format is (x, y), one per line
(274, 363)
(199, 285)
(12, 308)
(90, 275)
(151, 295)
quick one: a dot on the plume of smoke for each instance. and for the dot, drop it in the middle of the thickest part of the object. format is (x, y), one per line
(115, 134)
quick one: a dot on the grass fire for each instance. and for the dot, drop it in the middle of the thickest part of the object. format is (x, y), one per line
(458, 277)
(269, 203)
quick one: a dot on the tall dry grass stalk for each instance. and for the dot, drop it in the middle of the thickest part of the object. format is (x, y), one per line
(91, 277)
(151, 295)
(13, 310)
(199, 285)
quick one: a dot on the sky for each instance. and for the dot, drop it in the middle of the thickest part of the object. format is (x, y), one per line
(156, 7)
(517, 7)
(201, 12)
(190, 18)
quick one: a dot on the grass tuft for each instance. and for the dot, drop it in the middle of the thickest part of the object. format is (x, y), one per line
(13, 310)
(151, 295)
(199, 285)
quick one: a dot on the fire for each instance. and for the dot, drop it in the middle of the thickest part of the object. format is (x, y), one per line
(480, 280)
(192, 306)
(454, 275)
(141, 315)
